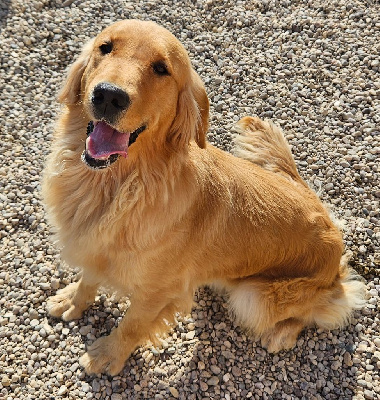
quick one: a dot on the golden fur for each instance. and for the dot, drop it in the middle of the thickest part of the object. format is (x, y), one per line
(178, 213)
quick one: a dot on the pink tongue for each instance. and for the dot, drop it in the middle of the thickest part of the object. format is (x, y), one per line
(105, 140)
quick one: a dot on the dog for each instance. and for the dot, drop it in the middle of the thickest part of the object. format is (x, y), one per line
(142, 202)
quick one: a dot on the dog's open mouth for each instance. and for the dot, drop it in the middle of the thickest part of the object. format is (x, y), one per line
(105, 144)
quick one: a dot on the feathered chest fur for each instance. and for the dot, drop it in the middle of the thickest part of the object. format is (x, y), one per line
(102, 209)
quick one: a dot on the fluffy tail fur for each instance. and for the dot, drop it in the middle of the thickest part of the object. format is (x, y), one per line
(264, 144)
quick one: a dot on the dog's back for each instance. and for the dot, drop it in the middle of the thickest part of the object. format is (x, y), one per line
(274, 306)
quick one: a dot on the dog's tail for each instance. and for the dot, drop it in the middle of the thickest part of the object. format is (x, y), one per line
(263, 143)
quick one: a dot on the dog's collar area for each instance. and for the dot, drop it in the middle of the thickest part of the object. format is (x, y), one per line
(96, 163)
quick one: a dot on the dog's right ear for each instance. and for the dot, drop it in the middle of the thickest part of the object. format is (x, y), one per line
(70, 93)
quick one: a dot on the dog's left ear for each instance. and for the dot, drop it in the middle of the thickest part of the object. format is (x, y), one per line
(70, 92)
(191, 121)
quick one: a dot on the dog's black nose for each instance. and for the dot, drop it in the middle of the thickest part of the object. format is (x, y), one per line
(108, 101)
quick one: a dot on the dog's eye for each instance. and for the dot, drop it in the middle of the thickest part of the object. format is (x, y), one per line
(160, 68)
(106, 48)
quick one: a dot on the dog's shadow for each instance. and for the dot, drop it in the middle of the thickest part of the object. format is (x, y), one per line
(4, 11)
(219, 359)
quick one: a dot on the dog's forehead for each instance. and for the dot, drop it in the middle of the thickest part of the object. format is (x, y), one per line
(145, 37)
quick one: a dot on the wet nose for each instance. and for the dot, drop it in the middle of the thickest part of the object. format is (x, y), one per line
(108, 101)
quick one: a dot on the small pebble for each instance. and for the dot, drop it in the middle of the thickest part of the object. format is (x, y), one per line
(214, 380)
(34, 322)
(65, 331)
(190, 335)
(5, 381)
(174, 392)
(369, 394)
(62, 390)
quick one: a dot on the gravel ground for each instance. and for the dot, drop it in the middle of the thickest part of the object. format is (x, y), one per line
(311, 66)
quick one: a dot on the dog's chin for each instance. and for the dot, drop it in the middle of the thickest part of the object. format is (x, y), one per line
(105, 144)
(98, 163)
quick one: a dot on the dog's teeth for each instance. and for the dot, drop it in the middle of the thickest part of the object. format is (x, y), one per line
(90, 128)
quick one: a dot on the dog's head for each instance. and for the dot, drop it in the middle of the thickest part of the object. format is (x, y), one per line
(135, 80)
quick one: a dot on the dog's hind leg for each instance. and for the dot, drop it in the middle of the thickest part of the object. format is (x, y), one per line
(264, 144)
(271, 311)
(283, 335)
(264, 308)
(276, 311)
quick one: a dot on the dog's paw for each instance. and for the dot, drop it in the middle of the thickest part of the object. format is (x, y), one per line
(283, 336)
(105, 355)
(275, 343)
(63, 305)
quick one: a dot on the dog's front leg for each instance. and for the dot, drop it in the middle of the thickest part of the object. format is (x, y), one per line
(144, 318)
(70, 302)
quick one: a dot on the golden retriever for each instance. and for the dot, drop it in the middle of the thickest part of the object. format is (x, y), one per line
(144, 204)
